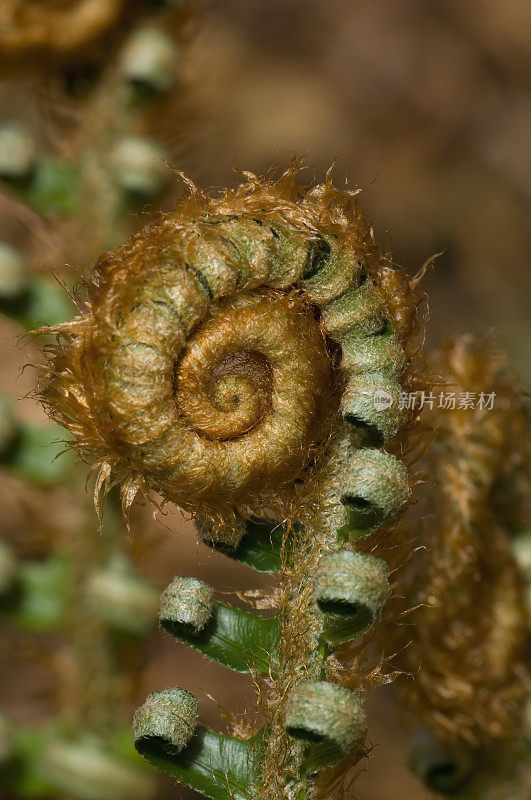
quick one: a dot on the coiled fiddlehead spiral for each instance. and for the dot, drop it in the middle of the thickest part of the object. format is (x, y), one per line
(229, 358)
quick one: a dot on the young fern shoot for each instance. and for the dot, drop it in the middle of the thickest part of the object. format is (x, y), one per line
(244, 356)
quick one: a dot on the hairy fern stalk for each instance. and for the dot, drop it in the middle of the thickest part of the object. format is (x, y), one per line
(244, 357)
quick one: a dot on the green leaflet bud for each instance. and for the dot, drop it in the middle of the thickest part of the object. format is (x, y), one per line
(54, 187)
(379, 350)
(213, 267)
(354, 308)
(86, 770)
(122, 598)
(227, 537)
(370, 404)
(376, 489)
(262, 252)
(324, 713)
(14, 275)
(139, 168)
(42, 593)
(288, 257)
(166, 721)
(17, 152)
(149, 61)
(250, 243)
(187, 602)
(330, 269)
(351, 589)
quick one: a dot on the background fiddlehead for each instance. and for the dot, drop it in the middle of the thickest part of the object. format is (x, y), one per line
(75, 157)
(229, 357)
(470, 640)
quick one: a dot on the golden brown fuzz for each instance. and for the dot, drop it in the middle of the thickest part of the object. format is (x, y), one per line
(469, 638)
(245, 355)
(204, 364)
(54, 26)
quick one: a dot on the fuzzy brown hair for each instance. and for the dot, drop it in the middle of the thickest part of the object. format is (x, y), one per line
(56, 27)
(470, 634)
(117, 369)
(228, 357)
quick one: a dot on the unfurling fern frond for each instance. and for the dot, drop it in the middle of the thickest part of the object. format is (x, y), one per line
(244, 357)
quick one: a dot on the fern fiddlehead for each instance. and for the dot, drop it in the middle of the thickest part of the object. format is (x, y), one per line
(469, 645)
(229, 358)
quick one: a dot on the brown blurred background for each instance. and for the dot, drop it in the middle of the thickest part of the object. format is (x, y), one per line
(427, 106)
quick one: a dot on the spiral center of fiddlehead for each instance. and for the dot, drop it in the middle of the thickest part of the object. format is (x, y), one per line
(234, 400)
(239, 373)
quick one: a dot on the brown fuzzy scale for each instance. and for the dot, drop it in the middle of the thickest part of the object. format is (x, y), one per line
(469, 639)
